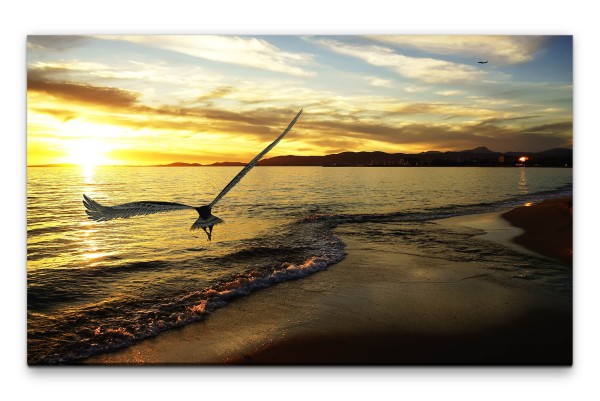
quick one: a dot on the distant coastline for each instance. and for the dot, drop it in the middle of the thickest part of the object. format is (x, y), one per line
(478, 157)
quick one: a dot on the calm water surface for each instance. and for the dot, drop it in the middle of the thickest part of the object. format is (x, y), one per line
(95, 287)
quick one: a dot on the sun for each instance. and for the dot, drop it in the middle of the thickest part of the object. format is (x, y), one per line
(88, 144)
(87, 152)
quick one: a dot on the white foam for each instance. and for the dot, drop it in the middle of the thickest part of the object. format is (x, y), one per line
(242, 286)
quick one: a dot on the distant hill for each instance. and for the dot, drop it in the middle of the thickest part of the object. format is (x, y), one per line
(556, 152)
(481, 156)
(217, 164)
(227, 164)
(479, 150)
(179, 164)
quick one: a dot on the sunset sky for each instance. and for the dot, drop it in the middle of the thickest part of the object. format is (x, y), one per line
(161, 99)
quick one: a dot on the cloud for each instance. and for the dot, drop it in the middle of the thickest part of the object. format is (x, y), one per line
(151, 156)
(449, 93)
(60, 114)
(445, 110)
(54, 42)
(247, 116)
(216, 93)
(65, 71)
(328, 125)
(122, 108)
(552, 129)
(81, 93)
(250, 52)
(428, 70)
(422, 136)
(415, 89)
(379, 82)
(498, 49)
(321, 145)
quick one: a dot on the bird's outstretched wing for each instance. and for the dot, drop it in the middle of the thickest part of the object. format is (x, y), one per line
(249, 166)
(98, 212)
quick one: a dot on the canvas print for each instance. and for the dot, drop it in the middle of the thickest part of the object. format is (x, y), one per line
(299, 200)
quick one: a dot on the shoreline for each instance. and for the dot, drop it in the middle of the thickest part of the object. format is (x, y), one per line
(365, 310)
(547, 226)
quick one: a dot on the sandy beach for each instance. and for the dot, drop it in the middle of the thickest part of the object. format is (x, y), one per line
(371, 309)
(548, 227)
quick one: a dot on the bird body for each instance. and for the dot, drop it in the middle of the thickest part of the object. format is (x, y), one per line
(482, 62)
(206, 220)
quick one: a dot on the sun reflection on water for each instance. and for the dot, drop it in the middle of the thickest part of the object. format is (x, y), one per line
(87, 173)
(523, 187)
(91, 248)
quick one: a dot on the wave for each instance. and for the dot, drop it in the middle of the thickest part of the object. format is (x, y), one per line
(296, 250)
(113, 323)
(440, 212)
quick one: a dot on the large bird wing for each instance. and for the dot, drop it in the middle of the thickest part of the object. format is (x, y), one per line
(249, 166)
(98, 212)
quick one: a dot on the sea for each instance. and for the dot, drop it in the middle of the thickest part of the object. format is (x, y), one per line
(96, 287)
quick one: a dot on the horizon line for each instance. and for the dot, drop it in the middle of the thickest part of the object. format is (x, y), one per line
(238, 164)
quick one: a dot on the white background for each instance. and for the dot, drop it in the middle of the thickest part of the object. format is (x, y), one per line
(25, 17)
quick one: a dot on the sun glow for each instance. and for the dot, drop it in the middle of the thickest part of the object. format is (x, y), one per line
(87, 152)
(87, 144)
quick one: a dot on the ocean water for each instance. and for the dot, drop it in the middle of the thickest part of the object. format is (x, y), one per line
(97, 287)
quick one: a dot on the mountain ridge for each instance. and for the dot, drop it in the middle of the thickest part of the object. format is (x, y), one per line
(480, 156)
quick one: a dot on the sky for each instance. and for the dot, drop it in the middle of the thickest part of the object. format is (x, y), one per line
(156, 99)
(433, 16)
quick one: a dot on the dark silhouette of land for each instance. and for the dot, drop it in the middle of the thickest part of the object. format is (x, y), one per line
(478, 157)
(482, 156)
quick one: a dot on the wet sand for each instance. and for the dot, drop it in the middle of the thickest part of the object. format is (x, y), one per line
(548, 227)
(366, 310)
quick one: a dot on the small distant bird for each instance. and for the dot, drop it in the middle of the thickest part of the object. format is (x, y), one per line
(206, 220)
(482, 62)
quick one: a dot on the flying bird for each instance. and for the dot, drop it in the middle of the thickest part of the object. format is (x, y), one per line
(206, 220)
(483, 62)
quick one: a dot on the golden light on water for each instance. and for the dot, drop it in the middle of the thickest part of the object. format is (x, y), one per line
(91, 248)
